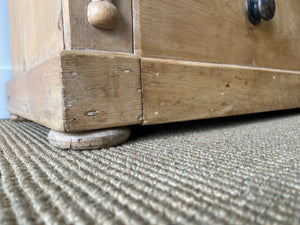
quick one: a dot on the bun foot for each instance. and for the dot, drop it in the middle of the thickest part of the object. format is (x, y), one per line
(16, 118)
(89, 140)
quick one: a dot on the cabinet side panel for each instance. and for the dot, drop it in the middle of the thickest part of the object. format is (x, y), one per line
(80, 35)
(179, 91)
(36, 30)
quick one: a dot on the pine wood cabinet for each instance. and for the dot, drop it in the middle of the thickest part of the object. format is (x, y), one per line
(81, 65)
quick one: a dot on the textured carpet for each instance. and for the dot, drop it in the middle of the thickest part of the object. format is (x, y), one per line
(238, 170)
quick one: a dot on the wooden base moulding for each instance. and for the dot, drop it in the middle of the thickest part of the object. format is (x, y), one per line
(80, 91)
(180, 90)
(91, 90)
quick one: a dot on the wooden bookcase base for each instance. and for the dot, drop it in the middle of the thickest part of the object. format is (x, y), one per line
(90, 90)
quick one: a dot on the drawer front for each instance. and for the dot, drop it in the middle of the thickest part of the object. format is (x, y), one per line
(80, 35)
(218, 32)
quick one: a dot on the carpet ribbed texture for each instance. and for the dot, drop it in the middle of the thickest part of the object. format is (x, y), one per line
(238, 170)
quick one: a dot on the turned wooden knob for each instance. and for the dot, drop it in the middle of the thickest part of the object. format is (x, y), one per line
(103, 14)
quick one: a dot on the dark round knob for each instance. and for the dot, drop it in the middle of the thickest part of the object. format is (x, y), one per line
(266, 9)
(260, 9)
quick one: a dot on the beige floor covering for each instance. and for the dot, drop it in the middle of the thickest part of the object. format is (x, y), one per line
(238, 170)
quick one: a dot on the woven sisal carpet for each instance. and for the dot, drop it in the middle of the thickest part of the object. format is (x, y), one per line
(239, 170)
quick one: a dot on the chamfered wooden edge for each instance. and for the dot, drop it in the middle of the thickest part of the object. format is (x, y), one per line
(176, 91)
(89, 140)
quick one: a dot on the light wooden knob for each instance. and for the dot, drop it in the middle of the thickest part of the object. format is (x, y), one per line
(103, 14)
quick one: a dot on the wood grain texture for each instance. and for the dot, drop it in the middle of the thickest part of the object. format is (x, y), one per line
(37, 95)
(100, 90)
(218, 32)
(80, 35)
(36, 30)
(179, 90)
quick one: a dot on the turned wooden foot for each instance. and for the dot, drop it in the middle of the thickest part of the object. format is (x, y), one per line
(89, 140)
(16, 118)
